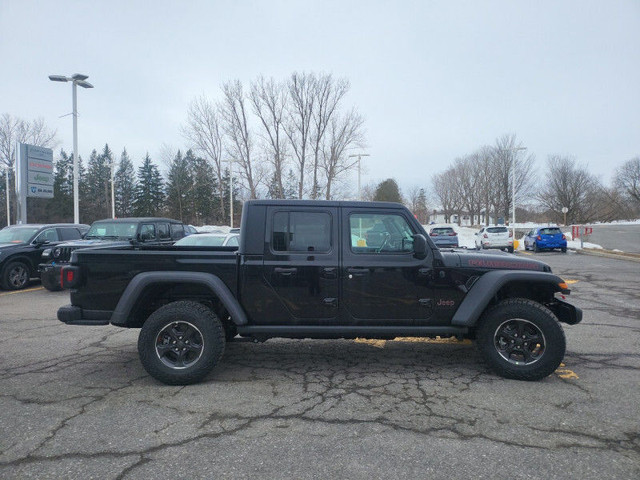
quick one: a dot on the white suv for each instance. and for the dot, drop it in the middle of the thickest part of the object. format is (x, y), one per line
(495, 237)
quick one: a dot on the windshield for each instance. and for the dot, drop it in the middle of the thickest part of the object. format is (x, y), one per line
(17, 234)
(202, 241)
(106, 230)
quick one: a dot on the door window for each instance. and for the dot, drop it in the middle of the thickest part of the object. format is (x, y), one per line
(380, 233)
(48, 235)
(147, 232)
(301, 232)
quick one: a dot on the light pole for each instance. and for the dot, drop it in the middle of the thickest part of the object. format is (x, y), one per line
(6, 172)
(75, 79)
(513, 188)
(231, 162)
(359, 156)
(113, 191)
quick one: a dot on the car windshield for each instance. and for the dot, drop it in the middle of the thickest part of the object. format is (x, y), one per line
(497, 229)
(202, 240)
(17, 234)
(112, 230)
(442, 231)
(549, 231)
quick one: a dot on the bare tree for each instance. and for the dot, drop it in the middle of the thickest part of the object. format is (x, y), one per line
(572, 186)
(345, 133)
(627, 179)
(269, 100)
(483, 159)
(13, 130)
(505, 155)
(236, 127)
(445, 194)
(328, 93)
(204, 133)
(298, 126)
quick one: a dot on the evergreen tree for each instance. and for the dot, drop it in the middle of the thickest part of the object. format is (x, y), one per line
(149, 196)
(388, 191)
(290, 186)
(180, 182)
(125, 186)
(60, 207)
(204, 195)
(98, 184)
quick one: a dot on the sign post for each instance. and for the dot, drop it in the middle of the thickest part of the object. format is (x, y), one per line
(34, 176)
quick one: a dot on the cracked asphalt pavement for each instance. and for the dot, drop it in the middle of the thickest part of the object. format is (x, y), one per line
(75, 402)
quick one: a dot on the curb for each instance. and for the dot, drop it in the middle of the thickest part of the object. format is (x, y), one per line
(608, 254)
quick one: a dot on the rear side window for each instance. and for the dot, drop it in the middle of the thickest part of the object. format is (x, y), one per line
(69, 234)
(177, 231)
(48, 235)
(163, 231)
(497, 229)
(301, 232)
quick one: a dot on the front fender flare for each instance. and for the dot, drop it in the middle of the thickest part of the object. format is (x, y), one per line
(143, 280)
(488, 285)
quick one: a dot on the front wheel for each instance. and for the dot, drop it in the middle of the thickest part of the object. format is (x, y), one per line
(521, 339)
(15, 275)
(181, 342)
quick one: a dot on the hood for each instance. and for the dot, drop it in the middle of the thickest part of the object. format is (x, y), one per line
(484, 261)
(93, 243)
(9, 245)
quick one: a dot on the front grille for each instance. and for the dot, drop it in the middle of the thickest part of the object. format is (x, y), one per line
(65, 254)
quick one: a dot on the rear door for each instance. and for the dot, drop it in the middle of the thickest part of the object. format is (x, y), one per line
(301, 261)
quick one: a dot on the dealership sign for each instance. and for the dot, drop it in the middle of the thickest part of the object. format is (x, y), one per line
(34, 175)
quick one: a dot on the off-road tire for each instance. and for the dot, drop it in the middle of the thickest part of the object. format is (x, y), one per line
(51, 285)
(531, 317)
(15, 275)
(199, 326)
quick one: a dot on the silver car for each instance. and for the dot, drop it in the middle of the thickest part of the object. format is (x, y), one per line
(495, 237)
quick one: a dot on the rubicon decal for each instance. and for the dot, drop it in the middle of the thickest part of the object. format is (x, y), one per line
(484, 263)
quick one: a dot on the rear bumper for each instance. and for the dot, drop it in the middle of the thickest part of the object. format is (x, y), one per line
(72, 315)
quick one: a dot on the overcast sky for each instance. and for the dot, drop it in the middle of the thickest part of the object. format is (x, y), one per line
(434, 79)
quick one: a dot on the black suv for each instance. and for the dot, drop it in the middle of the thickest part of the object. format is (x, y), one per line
(109, 233)
(21, 248)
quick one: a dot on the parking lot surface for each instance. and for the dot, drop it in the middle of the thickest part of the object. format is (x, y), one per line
(75, 402)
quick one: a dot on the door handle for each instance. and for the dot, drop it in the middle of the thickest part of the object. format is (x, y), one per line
(330, 302)
(357, 271)
(424, 272)
(330, 273)
(286, 272)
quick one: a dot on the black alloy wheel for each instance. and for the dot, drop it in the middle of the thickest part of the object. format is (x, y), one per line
(521, 339)
(15, 275)
(181, 342)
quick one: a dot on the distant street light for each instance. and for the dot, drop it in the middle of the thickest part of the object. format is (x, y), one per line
(359, 156)
(6, 172)
(76, 79)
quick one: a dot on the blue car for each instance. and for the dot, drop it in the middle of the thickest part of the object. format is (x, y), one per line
(545, 238)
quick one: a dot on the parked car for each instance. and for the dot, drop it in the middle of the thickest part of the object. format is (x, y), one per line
(545, 238)
(190, 230)
(116, 232)
(495, 237)
(210, 240)
(21, 247)
(444, 237)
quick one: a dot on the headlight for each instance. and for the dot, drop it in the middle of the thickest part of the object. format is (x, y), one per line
(46, 253)
(56, 252)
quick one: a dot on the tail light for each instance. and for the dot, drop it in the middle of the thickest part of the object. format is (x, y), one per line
(452, 234)
(510, 233)
(433, 234)
(69, 276)
(563, 237)
(485, 236)
(538, 237)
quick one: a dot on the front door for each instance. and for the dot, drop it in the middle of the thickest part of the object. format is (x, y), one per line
(382, 281)
(301, 264)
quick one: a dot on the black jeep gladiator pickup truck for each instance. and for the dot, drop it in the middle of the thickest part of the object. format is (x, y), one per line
(311, 269)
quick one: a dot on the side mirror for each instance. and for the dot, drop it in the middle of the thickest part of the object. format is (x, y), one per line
(419, 246)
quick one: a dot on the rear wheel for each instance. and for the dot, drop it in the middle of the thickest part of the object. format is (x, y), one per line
(535, 247)
(564, 249)
(181, 342)
(15, 275)
(521, 339)
(510, 249)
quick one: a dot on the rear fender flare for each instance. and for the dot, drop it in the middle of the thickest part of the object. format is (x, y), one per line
(488, 285)
(143, 280)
